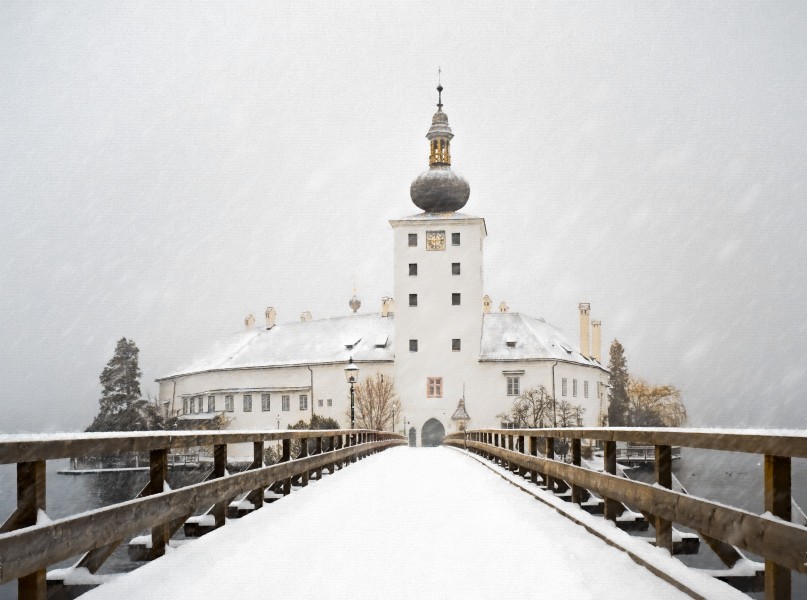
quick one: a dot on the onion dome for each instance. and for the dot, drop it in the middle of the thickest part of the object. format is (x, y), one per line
(439, 189)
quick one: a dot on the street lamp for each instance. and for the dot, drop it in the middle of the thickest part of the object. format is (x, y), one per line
(352, 376)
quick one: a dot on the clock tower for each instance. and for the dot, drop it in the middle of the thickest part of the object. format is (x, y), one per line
(438, 291)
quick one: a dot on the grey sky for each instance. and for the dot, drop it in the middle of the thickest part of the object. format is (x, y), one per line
(166, 169)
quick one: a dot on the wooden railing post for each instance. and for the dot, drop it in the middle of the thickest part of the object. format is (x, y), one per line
(511, 466)
(663, 468)
(577, 491)
(534, 452)
(30, 500)
(219, 468)
(331, 447)
(778, 503)
(549, 451)
(520, 446)
(256, 497)
(318, 450)
(303, 454)
(286, 457)
(609, 465)
(158, 472)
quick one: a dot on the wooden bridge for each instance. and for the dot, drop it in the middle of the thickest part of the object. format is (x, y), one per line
(29, 543)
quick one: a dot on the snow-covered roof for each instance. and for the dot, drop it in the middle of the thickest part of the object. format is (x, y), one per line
(321, 341)
(369, 337)
(513, 336)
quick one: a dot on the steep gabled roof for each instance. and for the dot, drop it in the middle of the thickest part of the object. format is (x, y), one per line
(323, 341)
(513, 336)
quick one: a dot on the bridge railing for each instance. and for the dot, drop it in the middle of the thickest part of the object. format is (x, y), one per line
(29, 544)
(770, 535)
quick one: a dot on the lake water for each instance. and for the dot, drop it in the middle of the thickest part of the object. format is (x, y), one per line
(731, 478)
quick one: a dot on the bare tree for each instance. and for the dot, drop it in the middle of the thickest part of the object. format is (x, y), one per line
(533, 408)
(376, 403)
(654, 406)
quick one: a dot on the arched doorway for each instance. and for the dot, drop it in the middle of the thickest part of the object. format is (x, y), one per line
(413, 437)
(432, 433)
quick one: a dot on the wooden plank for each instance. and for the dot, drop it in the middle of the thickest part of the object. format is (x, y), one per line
(663, 471)
(549, 452)
(778, 503)
(785, 543)
(284, 458)
(27, 550)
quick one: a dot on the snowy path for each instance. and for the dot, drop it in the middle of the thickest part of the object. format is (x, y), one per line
(405, 523)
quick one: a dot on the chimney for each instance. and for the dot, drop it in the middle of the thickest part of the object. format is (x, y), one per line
(305, 317)
(503, 308)
(249, 321)
(486, 303)
(270, 317)
(596, 350)
(387, 306)
(585, 308)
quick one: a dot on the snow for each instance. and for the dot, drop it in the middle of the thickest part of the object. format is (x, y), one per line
(424, 522)
(78, 576)
(206, 520)
(42, 518)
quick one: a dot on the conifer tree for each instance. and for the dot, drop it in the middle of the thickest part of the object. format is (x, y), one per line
(121, 407)
(618, 386)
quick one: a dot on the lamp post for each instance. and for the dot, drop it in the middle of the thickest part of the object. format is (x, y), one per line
(352, 376)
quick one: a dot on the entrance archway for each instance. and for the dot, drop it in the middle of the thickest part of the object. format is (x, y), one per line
(432, 433)
(413, 437)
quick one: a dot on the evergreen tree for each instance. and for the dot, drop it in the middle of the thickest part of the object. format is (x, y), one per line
(121, 407)
(618, 386)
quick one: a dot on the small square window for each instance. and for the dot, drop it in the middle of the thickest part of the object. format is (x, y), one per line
(563, 386)
(455, 345)
(247, 402)
(455, 299)
(285, 403)
(319, 402)
(413, 299)
(455, 239)
(434, 387)
(265, 402)
(585, 389)
(199, 404)
(574, 388)
(330, 401)
(513, 386)
(413, 345)
(413, 239)
(211, 404)
(413, 269)
(303, 401)
(229, 404)
(455, 268)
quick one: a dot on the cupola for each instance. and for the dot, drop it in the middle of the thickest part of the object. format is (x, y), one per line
(439, 189)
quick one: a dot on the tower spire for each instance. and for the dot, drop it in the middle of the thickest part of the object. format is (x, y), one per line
(439, 91)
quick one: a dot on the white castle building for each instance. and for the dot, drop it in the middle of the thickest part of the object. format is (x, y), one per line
(440, 340)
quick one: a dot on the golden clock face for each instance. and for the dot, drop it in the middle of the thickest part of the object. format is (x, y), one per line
(435, 240)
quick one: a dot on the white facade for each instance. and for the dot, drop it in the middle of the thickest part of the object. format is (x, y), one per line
(440, 343)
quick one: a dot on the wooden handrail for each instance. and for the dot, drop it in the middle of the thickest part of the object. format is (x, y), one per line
(788, 442)
(30, 448)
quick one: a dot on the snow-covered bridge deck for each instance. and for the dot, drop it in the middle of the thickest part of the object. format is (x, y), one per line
(408, 523)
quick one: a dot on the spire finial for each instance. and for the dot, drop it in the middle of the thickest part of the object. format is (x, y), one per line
(439, 90)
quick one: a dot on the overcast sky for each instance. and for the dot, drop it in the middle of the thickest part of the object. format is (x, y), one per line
(167, 168)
